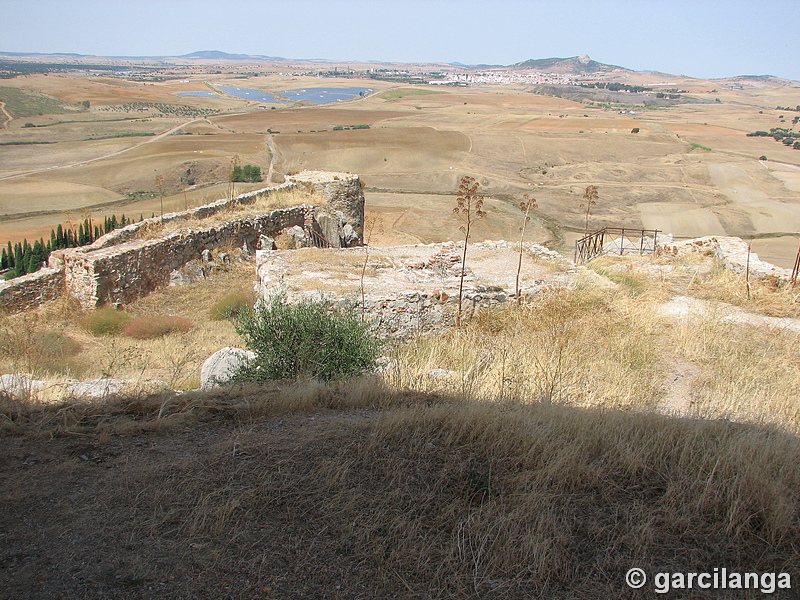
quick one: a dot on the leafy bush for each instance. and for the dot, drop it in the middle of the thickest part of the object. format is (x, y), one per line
(54, 344)
(231, 306)
(146, 328)
(105, 321)
(307, 339)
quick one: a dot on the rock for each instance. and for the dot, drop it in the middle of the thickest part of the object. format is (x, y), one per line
(206, 254)
(220, 366)
(18, 385)
(349, 236)
(441, 373)
(266, 243)
(95, 389)
(299, 236)
(191, 272)
(384, 363)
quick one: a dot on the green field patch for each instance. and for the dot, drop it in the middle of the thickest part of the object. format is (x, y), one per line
(403, 92)
(28, 104)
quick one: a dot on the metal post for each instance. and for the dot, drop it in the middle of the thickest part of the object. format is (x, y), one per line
(796, 267)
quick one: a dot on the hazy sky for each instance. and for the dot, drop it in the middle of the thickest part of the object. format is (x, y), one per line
(699, 38)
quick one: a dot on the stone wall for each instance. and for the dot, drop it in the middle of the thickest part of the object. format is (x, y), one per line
(119, 268)
(731, 251)
(125, 272)
(30, 290)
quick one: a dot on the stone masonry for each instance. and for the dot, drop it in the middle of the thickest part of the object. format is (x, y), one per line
(119, 267)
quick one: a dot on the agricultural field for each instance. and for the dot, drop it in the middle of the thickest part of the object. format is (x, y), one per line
(89, 145)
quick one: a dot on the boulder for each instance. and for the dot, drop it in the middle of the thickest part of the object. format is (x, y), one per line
(95, 389)
(18, 385)
(218, 368)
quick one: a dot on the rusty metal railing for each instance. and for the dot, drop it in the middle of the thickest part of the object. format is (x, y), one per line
(317, 239)
(615, 240)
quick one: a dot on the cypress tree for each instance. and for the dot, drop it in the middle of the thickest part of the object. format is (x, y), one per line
(3, 260)
(17, 255)
(10, 255)
(31, 264)
(60, 237)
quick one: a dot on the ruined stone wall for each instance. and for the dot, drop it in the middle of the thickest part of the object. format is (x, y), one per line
(123, 273)
(342, 193)
(731, 251)
(32, 289)
(118, 268)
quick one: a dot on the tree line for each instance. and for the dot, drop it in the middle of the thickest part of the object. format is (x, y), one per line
(780, 134)
(22, 257)
(251, 173)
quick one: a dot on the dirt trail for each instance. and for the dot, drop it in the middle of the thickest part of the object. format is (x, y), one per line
(149, 140)
(6, 113)
(103, 157)
(271, 147)
(677, 384)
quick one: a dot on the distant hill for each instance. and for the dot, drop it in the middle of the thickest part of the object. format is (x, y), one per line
(215, 55)
(577, 65)
(760, 81)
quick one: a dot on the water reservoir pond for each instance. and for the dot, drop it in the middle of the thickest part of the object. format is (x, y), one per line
(323, 95)
(319, 95)
(205, 94)
(250, 94)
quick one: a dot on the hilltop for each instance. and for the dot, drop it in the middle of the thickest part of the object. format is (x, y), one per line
(576, 65)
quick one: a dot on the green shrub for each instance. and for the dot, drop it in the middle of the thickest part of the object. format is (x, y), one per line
(54, 344)
(231, 306)
(147, 328)
(105, 321)
(308, 339)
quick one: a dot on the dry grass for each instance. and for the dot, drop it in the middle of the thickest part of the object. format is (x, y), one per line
(431, 497)
(765, 295)
(584, 346)
(530, 501)
(148, 328)
(747, 373)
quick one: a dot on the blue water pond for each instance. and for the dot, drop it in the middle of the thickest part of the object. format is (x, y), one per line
(250, 94)
(204, 94)
(323, 95)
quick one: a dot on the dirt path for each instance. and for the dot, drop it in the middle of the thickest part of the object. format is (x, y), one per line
(6, 113)
(681, 307)
(149, 140)
(271, 146)
(677, 384)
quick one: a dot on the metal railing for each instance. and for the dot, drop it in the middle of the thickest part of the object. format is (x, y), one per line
(615, 240)
(317, 239)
